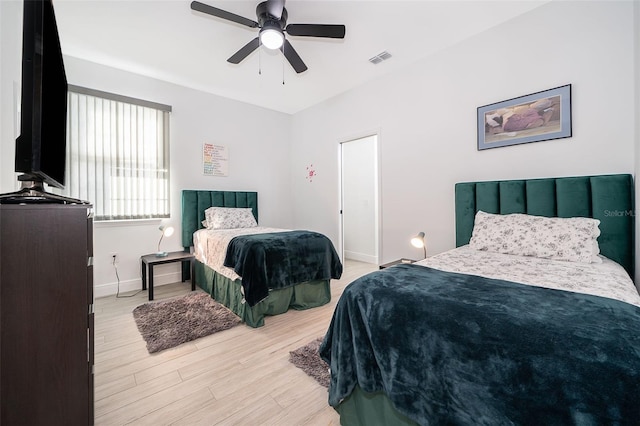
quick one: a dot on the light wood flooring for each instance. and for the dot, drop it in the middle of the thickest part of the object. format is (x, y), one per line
(241, 376)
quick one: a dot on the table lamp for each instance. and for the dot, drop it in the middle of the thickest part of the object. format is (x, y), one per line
(165, 230)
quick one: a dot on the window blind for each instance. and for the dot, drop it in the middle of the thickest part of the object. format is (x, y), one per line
(117, 155)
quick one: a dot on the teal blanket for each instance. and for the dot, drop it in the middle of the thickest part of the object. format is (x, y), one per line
(449, 348)
(281, 259)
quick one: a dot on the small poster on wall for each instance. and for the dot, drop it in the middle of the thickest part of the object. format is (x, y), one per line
(215, 160)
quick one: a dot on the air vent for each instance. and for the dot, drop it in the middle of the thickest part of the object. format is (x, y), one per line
(382, 56)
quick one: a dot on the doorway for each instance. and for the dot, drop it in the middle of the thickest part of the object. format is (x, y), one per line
(359, 199)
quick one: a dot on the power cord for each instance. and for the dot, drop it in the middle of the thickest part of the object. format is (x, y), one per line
(115, 267)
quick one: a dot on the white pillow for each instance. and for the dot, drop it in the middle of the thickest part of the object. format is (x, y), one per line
(229, 218)
(573, 239)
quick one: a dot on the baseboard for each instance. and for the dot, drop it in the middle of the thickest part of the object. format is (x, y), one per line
(111, 289)
(361, 257)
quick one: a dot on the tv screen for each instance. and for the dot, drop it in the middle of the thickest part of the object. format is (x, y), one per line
(41, 146)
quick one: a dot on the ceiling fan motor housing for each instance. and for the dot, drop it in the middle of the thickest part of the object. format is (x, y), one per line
(265, 19)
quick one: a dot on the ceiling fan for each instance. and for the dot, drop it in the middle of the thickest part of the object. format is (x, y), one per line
(272, 21)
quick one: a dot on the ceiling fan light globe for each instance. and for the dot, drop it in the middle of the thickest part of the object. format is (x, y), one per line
(271, 38)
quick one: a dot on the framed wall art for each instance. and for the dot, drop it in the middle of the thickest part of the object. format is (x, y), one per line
(536, 117)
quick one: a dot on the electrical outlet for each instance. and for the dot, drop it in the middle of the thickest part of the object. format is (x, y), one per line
(114, 258)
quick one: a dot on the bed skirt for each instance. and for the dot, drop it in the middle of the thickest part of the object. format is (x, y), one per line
(227, 292)
(361, 408)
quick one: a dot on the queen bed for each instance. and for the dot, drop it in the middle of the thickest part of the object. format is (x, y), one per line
(255, 271)
(528, 321)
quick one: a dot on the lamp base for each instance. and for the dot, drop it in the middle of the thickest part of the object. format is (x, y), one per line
(162, 254)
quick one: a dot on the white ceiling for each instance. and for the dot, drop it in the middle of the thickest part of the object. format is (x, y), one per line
(167, 40)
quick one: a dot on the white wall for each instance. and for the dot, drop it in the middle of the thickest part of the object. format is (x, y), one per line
(10, 76)
(427, 117)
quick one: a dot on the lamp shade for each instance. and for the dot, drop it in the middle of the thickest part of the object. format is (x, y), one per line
(167, 231)
(418, 241)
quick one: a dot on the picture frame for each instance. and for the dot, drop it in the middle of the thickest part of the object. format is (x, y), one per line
(536, 117)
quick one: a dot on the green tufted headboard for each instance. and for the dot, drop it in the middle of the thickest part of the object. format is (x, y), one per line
(195, 202)
(608, 198)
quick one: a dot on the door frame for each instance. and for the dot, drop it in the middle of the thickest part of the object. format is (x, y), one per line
(377, 181)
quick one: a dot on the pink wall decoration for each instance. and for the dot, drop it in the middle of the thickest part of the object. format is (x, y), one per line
(311, 173)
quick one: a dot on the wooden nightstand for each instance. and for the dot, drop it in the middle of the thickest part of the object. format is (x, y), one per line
(396, 262)
(150, 260)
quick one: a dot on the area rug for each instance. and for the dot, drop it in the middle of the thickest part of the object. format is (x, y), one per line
(308, 360)
(171, 322)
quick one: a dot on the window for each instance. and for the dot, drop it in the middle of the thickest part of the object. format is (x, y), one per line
(117, 155)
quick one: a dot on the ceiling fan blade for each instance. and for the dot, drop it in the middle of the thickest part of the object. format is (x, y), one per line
(275, 7)
(245, 51)
(293, 57)
(219, 13)
(316, 30)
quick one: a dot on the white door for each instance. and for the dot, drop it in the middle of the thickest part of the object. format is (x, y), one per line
(359, 197)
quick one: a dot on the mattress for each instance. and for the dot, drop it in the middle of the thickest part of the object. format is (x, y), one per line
(606, 279)
(210, 246)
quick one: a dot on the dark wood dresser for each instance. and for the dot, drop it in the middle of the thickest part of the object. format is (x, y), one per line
(46, 314)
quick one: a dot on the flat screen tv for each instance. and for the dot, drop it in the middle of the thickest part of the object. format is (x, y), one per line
(41, 146)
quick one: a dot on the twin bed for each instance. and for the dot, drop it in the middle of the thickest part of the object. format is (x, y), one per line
(254, 271)
(533, 319)
(528, 321)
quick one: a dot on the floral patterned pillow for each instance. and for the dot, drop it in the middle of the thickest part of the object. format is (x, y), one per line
(572, 239)
(229, 218)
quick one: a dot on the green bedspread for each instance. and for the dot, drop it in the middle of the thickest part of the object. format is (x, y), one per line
(281, 259)
(449, 348)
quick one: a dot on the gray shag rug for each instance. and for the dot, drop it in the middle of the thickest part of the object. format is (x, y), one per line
(308, 360)
(171, 322)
